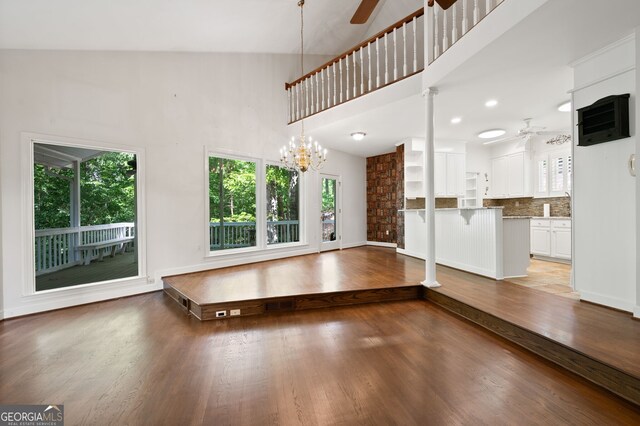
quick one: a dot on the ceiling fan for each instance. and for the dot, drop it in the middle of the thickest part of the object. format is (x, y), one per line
(366, 8)
(525, 133)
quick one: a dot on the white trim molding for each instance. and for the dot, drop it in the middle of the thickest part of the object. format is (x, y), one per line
(636, 312)
(605, 300)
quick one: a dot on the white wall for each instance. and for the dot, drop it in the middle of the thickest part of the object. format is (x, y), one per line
(170, 107)
(636, 311)
(604, 194)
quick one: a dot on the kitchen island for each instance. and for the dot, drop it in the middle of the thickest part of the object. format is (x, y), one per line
(477, 240)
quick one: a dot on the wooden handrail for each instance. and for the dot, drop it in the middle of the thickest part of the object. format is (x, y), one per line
(418, 13)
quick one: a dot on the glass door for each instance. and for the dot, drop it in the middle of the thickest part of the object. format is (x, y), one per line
(329, 213)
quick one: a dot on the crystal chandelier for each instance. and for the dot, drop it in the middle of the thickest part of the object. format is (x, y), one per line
(304, 153)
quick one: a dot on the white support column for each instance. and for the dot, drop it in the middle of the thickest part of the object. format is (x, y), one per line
(429, 196)
(75, 210)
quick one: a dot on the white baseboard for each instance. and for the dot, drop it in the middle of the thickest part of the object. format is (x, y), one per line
(612, 302)
(636, 312)
(352, 245)
(381, 244)
(409, 253)
(95, 294)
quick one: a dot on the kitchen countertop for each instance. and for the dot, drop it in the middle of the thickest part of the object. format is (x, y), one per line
(551, 217)
(516, 217)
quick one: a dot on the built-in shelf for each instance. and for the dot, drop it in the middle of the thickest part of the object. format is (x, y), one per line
(471, 198)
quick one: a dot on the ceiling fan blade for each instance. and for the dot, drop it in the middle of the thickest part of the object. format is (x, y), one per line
(444, 4)
(548, 133)
(364, 11)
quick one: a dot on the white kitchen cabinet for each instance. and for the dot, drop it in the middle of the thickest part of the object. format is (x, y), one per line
(541, 237)
(449, 174)
(510, 176)
(551, 238)
(561, 239)
(499, 177)
(440, 174)
(515, 175)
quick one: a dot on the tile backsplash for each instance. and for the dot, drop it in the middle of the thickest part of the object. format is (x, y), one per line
(560, 206)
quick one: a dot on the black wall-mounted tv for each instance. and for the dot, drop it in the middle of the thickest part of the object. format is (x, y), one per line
(605, 120)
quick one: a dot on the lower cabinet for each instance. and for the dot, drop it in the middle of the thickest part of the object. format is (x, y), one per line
(551, 238)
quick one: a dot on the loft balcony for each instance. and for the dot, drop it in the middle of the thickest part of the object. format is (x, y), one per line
(395, 54)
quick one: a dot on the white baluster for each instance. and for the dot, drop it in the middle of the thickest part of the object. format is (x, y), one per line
(335, 93)
(415, 45)
(340, 80)
(445, 36)
(404, 49)
(395, 54)
(348, 90)
(454, 24)
(361, 71)
(476, 12)
(355, 75)
(386, 60)
(311, 104)
(465, 20)
(289, 103)
(436, 32)
(369, 55)
(295, 99)
(322, 73)
(306, 97)
(377, 62)
(317, 94)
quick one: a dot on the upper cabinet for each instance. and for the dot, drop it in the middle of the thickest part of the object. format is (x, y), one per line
(511, 176)
(552, 174)
(449, 173)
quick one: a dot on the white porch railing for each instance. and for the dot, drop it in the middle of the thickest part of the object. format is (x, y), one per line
(446, 27)
(55, 248)
(328, 230)
(243, 234)
(391, 55)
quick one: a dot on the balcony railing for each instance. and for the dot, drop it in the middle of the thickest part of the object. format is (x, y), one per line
(446, 27)
(55, 248)
(243, 234)
(393, 54)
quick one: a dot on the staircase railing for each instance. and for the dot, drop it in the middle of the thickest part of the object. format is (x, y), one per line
(395, 53)
(446, 27)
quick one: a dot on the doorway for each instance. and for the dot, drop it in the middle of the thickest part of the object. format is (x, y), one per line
(330, 210)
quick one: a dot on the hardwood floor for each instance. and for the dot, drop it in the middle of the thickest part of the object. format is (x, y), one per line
(604, 334)
(361, 268)
(140, 360)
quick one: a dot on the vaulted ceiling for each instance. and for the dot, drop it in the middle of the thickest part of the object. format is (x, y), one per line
(261, 26)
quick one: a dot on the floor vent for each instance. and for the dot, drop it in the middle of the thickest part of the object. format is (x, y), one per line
(286, 305)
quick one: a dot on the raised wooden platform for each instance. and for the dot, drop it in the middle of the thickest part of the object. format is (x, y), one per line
(336, 278)
(597, 343)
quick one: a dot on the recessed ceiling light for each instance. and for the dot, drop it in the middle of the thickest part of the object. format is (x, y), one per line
(491, 103)
(490, 134)
(456, 120)
(565, 107)
(358, 136)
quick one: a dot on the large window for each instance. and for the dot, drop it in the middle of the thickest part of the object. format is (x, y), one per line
(283, 206)
(84, 204)
(232, 203)
(252, 204)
